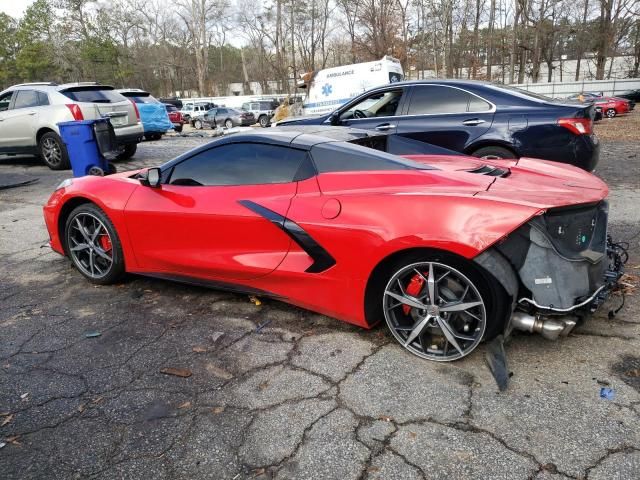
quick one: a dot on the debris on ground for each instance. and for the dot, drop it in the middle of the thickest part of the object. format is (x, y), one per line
(92, 334)
(262, 325)
(255, 300)
(24, 396)
(177, 372)
(217, 410)
(2, 444)
(13, 180)
(186, 404)
(607, 393)
(215, 336)
(198, 349)
(7, 419)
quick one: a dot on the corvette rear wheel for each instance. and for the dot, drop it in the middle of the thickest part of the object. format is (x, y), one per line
(93, 245)
(434, 310)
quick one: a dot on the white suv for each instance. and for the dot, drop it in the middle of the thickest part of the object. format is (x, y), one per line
(30, 113)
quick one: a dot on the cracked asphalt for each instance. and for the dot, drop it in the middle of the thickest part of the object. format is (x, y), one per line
(279, 392)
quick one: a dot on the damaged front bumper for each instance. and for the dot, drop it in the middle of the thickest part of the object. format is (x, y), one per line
(567, 265)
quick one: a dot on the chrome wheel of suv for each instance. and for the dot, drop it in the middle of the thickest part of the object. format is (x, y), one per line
(53, 152)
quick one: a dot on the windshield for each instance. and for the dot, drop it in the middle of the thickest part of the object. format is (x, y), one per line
(93, 94)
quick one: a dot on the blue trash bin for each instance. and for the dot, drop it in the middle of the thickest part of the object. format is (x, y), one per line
(82, 147)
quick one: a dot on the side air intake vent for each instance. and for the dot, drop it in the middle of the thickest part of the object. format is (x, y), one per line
(491, 171)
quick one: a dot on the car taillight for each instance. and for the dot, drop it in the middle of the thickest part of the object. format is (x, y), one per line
(579, 126)
(75, 111)
(135, 107)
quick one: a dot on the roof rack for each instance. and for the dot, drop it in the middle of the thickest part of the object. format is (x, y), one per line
(29, 84)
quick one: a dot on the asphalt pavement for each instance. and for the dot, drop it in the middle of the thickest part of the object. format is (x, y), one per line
(151, 379)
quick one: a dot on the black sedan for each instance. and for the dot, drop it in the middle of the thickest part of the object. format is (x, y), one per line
(633, 95)
(476, 118)
(225, 117)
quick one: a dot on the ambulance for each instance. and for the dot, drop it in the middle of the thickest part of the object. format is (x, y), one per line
(329, 88)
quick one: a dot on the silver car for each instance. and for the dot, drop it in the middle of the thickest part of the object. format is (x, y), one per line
(30, 113)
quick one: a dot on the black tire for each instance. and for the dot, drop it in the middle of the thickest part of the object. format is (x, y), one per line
(496, 301)
(115, 271)
(228, 123)
(111, 169)
(53, 152)
(197, 124)
(178, 128)
(263, 121)
(127, 151)
(493, 153)
(611, 112)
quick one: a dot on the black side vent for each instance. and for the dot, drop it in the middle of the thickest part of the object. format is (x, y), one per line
(491, 171)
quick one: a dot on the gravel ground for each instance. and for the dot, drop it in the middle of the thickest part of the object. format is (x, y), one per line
(304, 396)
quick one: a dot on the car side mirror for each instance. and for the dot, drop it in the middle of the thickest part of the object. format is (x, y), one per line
(151, 178)
(334, 119)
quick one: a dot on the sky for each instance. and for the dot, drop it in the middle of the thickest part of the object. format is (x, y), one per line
(15, 8)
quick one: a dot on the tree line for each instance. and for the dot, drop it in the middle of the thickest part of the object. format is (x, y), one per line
(204, 45)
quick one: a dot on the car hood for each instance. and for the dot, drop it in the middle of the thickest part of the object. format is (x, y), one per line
(525, 181)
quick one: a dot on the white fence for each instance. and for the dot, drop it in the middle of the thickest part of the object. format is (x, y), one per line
(564, 89)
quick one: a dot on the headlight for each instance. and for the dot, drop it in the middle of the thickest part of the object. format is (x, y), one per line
(65, 183)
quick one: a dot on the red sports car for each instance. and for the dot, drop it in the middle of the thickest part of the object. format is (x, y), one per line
(612, 106)
(446, 249)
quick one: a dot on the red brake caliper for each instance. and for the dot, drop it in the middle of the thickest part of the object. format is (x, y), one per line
(414, 288)
(105, 242)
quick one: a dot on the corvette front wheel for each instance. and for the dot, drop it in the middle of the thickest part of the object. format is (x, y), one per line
(93, 245)
(438, 308)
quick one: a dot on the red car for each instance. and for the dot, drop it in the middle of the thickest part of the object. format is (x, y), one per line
(175, 117)
(446, 249)
(612, 106)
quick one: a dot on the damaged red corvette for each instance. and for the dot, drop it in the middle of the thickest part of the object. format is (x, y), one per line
(448, 250)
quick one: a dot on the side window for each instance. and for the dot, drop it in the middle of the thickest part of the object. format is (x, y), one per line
(432, 99)
(5, 100)
(476, 104)
(26, 99)
(240, 164)
(222, 111)
(381, 104)
(43, 99)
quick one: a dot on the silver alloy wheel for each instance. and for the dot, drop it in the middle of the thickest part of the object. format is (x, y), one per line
(51, 151)
(197, 124)
(611, 113)
(434, 311)
(90, 245)
(228, 123)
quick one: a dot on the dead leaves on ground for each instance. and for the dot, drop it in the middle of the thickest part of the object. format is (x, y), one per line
(177, 372)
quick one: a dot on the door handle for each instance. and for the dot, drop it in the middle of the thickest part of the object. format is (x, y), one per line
(31, 113)
(472, 122)
(385, 127)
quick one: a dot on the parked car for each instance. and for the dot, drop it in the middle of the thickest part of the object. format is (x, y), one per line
(175, 117)
(612, 106)
(633, 95)
(30, 113)
(477, 118)
(225, 117)
(263, 110)
(153, 114)
(458, 249)
(192, 110)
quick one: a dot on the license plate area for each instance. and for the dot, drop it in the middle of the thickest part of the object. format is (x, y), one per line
(118, 120)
